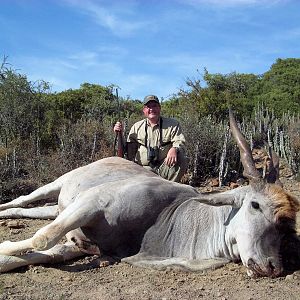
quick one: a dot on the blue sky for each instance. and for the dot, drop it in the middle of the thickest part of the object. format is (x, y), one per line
(145, 46)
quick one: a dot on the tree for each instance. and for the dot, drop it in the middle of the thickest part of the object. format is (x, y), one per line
(22, 106)
(279, 88)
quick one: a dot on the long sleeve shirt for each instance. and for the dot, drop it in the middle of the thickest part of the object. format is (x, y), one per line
(164, 135)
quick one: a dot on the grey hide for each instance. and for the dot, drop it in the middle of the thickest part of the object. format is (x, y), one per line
(116, 206)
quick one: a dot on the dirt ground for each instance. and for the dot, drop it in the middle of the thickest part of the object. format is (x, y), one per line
(82, 279)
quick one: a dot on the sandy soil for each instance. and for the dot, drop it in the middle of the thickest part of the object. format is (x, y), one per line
(83, 279)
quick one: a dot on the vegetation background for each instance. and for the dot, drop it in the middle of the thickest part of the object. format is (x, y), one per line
(45, 134)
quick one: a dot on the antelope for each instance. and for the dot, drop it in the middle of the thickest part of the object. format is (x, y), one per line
(116, 207)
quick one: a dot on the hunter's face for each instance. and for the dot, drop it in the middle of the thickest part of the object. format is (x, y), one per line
(152, 110)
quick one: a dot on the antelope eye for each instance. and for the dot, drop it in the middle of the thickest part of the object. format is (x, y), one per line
(255, 205)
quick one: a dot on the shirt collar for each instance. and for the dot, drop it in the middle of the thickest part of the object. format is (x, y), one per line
(157, 124)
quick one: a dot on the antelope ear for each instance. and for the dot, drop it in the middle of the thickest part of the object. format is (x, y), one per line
(233, 198)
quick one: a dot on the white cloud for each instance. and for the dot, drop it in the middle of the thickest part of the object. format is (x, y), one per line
(51, 64)
(230, 3)
(74, 70)
(138, 86)
(57, 84)
(221, 60)
(290, 34)
(111, 51)
(86, 58)
(117, 21)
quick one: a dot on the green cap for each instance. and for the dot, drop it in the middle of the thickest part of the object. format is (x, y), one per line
(150, 98)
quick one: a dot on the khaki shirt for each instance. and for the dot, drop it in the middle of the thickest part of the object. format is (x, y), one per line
(172, 136)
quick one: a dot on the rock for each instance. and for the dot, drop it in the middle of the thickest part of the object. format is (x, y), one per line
(104, 263)
(214, 182)
(289, 277)
(3, 223)
(233, 185)
(67, 278)
(15, 224)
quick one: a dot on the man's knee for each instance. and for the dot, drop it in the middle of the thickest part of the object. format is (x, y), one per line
(174, 173)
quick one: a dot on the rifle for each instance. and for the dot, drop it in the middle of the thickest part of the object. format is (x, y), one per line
(119, 135)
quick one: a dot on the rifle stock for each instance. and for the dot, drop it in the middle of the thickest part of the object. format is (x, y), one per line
(120, 151)
(119, 135)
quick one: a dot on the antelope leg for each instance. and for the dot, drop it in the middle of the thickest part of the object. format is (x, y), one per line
(45, 212)
(57, 254)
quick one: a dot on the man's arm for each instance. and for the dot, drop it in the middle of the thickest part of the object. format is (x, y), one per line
(178, 139)
(178, 142)
(132, 144)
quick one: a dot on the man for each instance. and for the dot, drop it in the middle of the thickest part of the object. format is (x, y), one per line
(157, 143)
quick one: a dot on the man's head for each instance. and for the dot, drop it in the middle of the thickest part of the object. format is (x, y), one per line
(150, 98)
(151, 108)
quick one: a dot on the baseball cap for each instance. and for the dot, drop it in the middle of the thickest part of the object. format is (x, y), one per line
(151, 98)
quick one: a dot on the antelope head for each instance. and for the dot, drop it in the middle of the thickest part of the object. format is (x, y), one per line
(266, 213)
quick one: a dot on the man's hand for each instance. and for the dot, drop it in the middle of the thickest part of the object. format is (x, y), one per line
(118, 127)
(171, 158)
